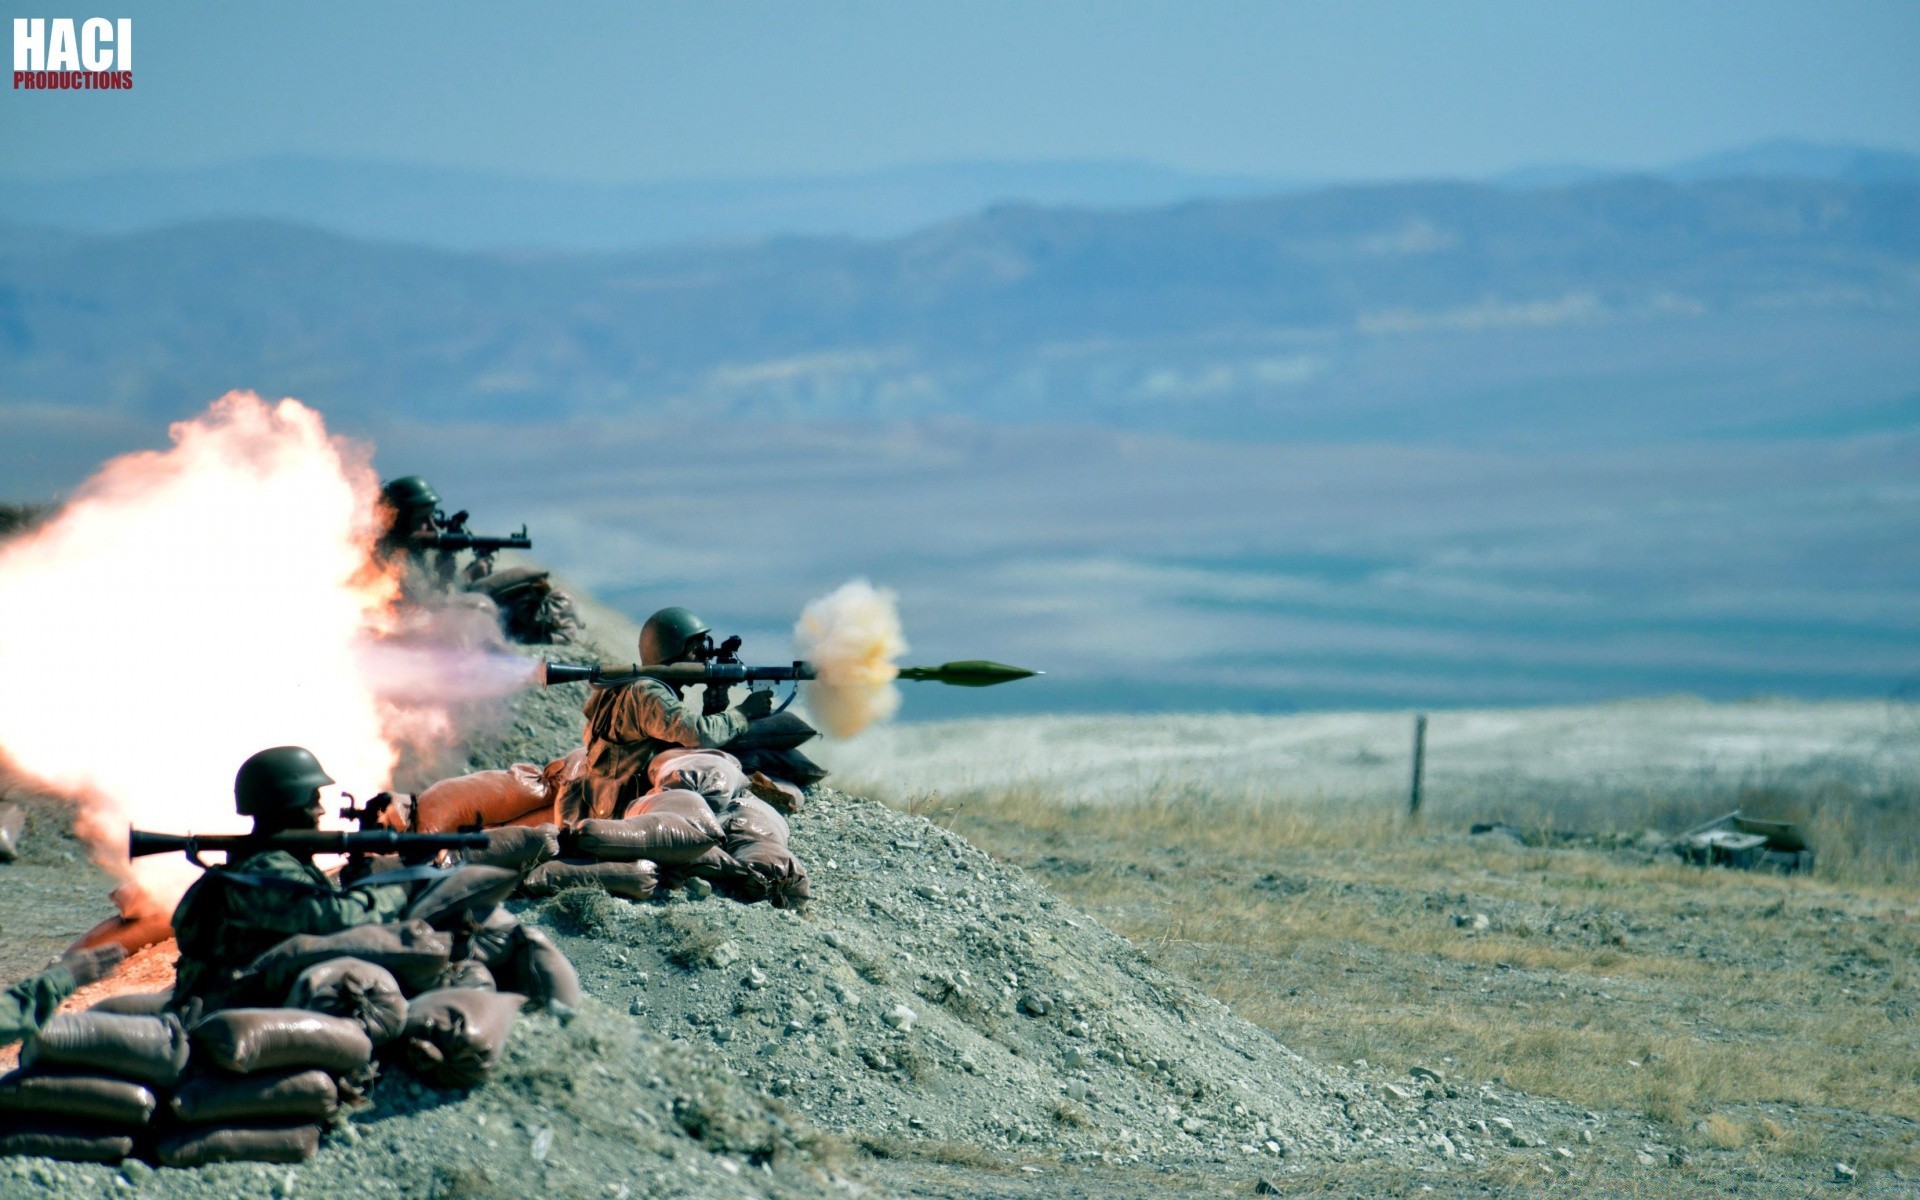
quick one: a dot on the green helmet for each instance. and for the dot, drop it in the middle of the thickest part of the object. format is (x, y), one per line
(410, 491)
(665, 635)
(277, 779)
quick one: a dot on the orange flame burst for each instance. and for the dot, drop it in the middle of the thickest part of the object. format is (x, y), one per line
(189, 607)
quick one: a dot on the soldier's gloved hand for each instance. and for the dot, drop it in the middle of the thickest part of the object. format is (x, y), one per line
(91, 966)
(756, 705)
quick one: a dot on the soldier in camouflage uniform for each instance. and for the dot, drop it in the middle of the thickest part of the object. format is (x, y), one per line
(28, 1005)
(629, 724)
(235, 913)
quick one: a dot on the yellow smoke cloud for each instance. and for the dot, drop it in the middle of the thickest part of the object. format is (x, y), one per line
(852, 637)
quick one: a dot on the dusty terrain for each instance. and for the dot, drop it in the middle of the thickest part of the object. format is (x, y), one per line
(953, 1017)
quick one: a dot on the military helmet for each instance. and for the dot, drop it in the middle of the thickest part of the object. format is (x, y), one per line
(665, 635)
(282, 778)
(410, 491)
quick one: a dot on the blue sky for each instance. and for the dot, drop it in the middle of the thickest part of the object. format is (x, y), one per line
(650, 91)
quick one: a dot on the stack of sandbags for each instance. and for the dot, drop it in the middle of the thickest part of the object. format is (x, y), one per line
(265, 1081)
(89, 1085)
(704, 817)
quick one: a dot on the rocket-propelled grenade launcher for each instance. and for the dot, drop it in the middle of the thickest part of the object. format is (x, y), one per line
(968, 673)
(302, 842)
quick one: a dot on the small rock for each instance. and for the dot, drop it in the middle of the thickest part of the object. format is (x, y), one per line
(1262, 1187)
(1481, 923)
(1428, 1074)
(1036, 1004)
(1396, 1091)
(1504, 1123)
(901, 1017)
(1842, 1173)
(542, 1143)
(723, 955)
(1643, 1158)
(1586, 1137)
(756, 978)
(698, 889)
(1075, 1060)
(1562, 1152)
(637, 1007)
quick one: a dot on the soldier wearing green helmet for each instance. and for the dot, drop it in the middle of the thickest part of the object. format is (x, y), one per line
(233, 914)
(629, 724)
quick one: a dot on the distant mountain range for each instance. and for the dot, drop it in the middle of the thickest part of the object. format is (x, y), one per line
(1619, 310)
(471, 210)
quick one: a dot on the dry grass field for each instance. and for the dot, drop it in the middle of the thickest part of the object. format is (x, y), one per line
(1764, 1026)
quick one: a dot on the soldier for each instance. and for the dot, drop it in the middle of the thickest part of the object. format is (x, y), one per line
(629, 724)
(233, 914)
(29, 1004)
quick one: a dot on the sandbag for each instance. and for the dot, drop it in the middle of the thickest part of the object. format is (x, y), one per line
(518, 847)
(482, 798)
(749, 817)
(785, 797)
(412, 951)
(717, 867)
(455, 1035)
(67, 1142)
(109, 1100)
(632, 880)
(466, 973)
(775, 731)
(662, 827)
(136, 1004)
(198, 1146)
(149, 1049)
(355, 989)
(780, 876)
(782, 764)
(493, 939)
(460, 891)
(544, 974)
(245, 1040)
(302, 1095)
(13, 820)
(714, 774)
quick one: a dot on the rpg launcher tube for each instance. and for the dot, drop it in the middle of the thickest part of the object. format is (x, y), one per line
(140, 843)
(968, 673)
(456, 540)
(679, 674)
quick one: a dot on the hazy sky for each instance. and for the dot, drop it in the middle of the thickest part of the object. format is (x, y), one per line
(624, 91)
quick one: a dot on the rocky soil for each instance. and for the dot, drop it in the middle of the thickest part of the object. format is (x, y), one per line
(935, 1023)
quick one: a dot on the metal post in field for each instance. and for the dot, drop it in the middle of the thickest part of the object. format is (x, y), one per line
(1419, 762)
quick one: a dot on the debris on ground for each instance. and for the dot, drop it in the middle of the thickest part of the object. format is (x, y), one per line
(1746, 843)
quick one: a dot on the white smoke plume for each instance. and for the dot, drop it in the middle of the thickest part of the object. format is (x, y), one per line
(852, 636)
(192, 606)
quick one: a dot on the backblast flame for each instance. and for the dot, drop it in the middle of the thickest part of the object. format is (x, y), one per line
(852, 637)
(189, 607)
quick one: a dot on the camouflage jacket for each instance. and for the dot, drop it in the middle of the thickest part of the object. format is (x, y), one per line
(27, 1005)
(228, 918)
(629, 724)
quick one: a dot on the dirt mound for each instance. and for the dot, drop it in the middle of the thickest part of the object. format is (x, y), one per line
(931, 994)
